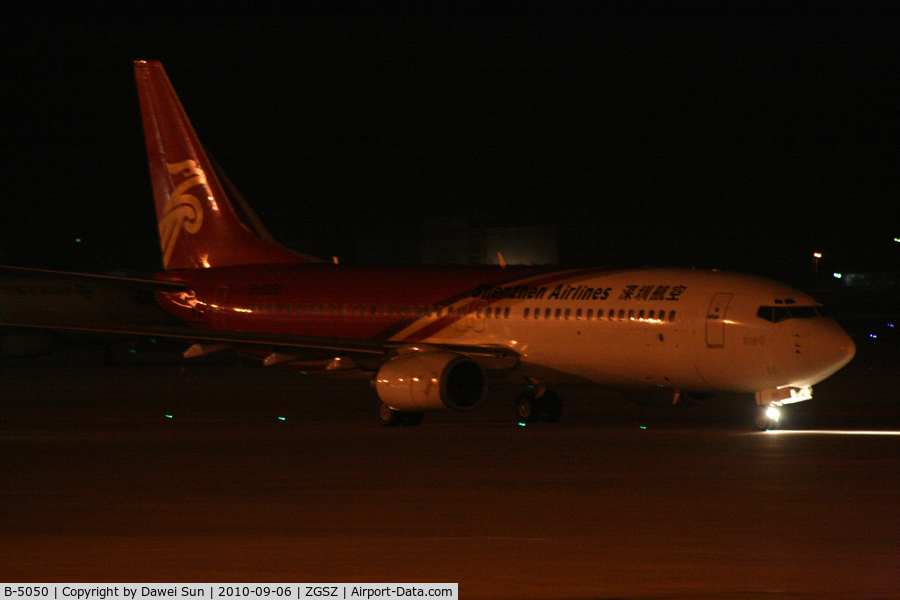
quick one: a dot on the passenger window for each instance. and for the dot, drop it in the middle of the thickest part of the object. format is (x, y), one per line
(641, 316)
(568, 313)
(590, 314)
(558, 313)
(527, 312)
(506, 312)
(621, 314)
(631, 315)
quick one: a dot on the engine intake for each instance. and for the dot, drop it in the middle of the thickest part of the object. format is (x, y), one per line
(431, 380)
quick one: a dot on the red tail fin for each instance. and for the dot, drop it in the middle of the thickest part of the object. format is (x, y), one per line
(198, 224)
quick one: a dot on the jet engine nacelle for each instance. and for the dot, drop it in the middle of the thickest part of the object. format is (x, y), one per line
(422, 381)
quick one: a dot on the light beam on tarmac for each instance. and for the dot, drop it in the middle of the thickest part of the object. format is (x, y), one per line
(829, 432)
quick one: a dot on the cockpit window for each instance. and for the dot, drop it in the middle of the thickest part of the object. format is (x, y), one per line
(805, 312)
(776, 314)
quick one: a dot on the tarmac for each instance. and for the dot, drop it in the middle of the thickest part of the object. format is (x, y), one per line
(238, 473)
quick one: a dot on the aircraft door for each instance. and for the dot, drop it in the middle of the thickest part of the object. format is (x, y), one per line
(462, 319)
(715, 320)
(476, 316)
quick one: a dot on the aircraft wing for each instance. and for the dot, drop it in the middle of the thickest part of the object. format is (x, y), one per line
(276, 342)
(96, 304)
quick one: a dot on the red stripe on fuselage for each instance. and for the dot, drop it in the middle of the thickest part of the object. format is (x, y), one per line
(326, 285)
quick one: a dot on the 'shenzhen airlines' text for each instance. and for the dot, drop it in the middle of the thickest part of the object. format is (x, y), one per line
(580, 292)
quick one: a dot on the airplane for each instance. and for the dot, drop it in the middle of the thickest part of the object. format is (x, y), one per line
(436, 337)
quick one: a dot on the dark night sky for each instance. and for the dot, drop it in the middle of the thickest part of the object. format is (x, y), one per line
(738, 137)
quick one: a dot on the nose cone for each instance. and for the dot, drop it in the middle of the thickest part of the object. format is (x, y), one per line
(830, 349)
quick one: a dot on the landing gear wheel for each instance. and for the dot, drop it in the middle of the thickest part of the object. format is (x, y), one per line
(528, 407)
(389, 417)
(531, 409)
(392, 418)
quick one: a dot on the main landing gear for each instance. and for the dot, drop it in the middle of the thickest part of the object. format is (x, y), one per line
(541, 405)
(392, 418)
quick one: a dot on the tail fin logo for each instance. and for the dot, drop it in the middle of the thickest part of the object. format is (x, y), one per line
(183, 211)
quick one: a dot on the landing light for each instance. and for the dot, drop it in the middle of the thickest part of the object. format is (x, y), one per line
(773, 413)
